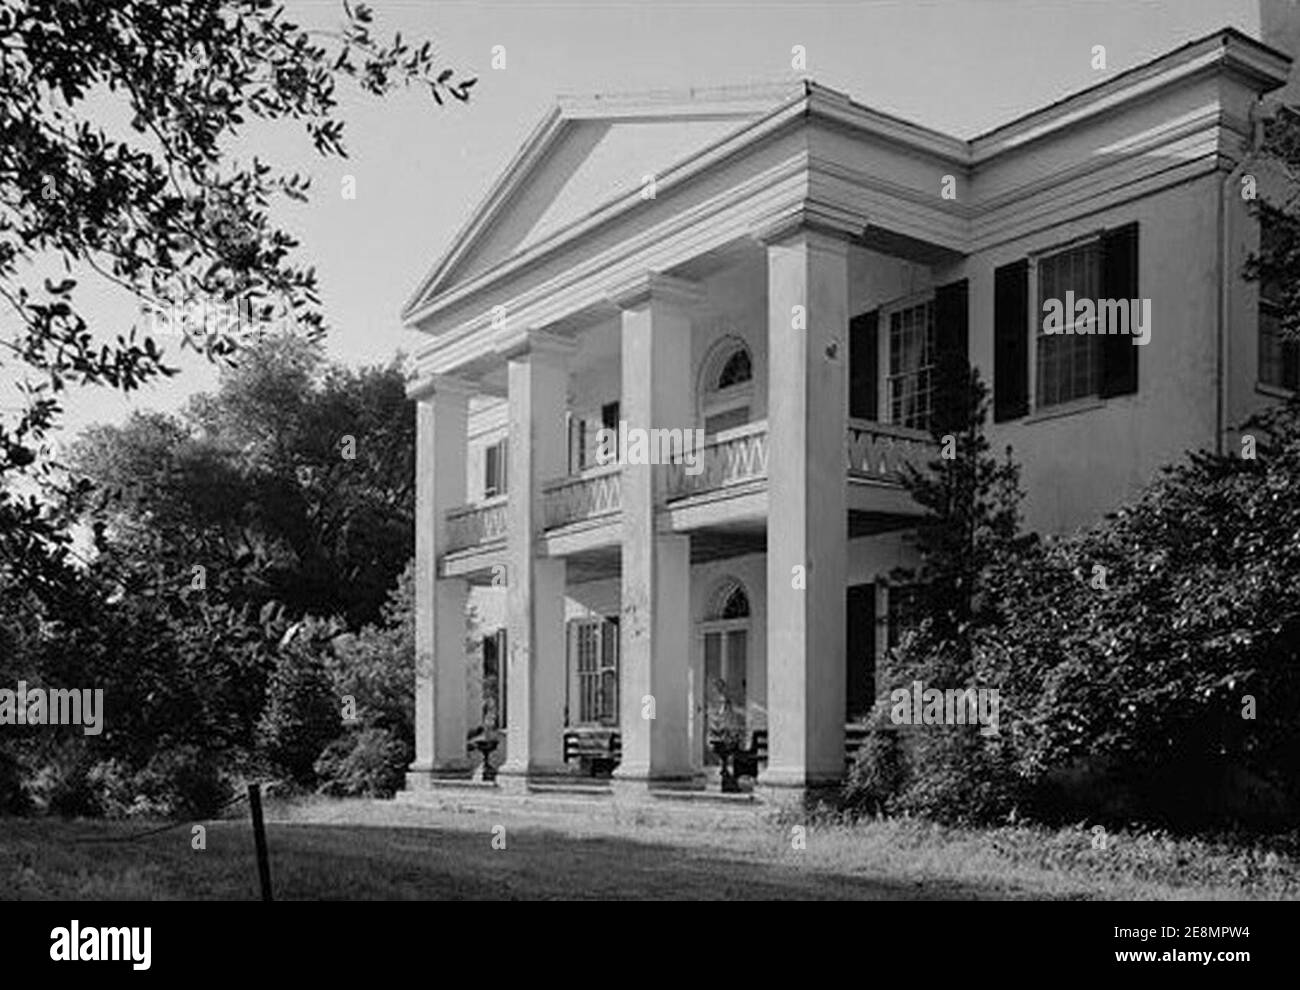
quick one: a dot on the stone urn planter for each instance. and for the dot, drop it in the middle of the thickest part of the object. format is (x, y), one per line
(485, 742)
(726, 739)
(726, 751)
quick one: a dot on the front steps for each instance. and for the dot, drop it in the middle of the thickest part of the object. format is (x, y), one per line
(591, 798)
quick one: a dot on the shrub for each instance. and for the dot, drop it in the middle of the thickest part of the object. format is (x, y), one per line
(948, 773)
(14, 797)
(968, 778)
(970, 531)
(302, 714)
(376, 667)
(364, 763)
(1154, 657)
(63, 784)
(184, 782)
(878, 774)
(114, 785)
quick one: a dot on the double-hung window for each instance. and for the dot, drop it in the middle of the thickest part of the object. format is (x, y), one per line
(494, 469)
(1035, 370)
(1069, 364)
(1279, 357)
(911, 365)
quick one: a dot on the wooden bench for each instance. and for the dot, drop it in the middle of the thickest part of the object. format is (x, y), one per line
(597, 749)
(746, 762)
(855, 736)
(601, 747)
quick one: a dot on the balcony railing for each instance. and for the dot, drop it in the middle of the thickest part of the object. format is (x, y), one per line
(470, 525)
(878, 451)
(730, 458)
(874, 451)
(590, 495)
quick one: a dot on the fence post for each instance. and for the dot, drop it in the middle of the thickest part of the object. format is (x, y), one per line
(259, 838)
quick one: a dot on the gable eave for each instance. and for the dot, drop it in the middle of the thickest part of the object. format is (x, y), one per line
(810, 102)
(736, 142)
(1227, 50)
(535, 148)
(741, 103)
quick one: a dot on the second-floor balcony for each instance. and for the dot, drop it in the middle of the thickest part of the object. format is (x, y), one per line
(594, 494)
(735, 457)
(879, 451)
(731, 464)
(477, 525)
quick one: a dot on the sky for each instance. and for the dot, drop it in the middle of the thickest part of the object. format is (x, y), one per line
(962, 66)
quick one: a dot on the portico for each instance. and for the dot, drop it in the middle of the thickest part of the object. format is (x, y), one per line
(613, 590)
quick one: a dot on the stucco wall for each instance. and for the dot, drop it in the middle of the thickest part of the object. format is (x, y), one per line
(870, 559)
(1079, 463)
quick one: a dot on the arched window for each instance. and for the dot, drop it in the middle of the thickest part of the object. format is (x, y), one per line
(736, 605)
(726, 385)
(728, 601)
(725, 651)
(736, 371)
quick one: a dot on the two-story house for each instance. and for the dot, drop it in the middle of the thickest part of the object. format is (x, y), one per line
(779, 267)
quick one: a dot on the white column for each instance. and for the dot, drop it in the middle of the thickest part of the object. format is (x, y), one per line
(538, 383)
(440, 619)
(655, 628)
(696, 728)
(807, 529)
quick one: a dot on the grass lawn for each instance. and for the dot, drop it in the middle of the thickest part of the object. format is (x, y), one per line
(372, 849)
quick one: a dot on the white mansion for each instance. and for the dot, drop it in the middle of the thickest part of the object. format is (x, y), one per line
(779, 267)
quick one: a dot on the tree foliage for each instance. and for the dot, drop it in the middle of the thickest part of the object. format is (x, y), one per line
(291, 483)
(1177, 673)
(969, 532)
(971, 505)
(157, 206)
(1147, 667)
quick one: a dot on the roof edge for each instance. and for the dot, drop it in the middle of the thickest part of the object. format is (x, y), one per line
(1224, 37)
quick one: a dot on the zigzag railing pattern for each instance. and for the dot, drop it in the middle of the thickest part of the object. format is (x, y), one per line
(470, 525)
(593, 493)
(730, 458)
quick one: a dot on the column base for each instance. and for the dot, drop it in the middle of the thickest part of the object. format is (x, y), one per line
(631, 783)
(795, 789)
(515, 779)
(421, 776)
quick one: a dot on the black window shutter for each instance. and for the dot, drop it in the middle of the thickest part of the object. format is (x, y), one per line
(952, 354)
(1290, 364)
(864, 371)
(1119, 280)
(951, 321)
(609, 413)
(609, 416)
(1011, 341)
(503, 664)
(577, 444)
(491, 469)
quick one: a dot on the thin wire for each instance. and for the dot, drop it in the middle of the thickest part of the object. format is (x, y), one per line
(163, 828)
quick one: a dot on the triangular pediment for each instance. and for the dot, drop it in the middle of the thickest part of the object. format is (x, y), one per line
(588, 152)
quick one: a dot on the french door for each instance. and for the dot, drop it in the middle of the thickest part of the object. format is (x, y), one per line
(593, 672)
(726, 655)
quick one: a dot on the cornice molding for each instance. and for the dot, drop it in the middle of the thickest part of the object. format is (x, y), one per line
(720, 218)
(837, 225)
(655, 287)
(1228, 52)
(539, 343)
(422, 388)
